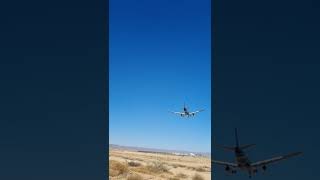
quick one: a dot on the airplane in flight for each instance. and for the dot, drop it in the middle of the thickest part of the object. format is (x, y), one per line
(243, 162)
(186, 113)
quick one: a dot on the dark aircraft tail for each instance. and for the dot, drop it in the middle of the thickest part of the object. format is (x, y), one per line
(184, 107)
(236, 136)
(242, 147)
(237, 142)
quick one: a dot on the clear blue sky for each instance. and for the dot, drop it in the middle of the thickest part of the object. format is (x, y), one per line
(160, 58)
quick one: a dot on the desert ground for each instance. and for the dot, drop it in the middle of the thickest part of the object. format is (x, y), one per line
(133, 165)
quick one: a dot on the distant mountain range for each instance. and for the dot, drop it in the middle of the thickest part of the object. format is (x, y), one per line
(132, 148)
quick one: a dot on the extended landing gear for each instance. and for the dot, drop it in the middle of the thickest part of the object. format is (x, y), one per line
(230, 170)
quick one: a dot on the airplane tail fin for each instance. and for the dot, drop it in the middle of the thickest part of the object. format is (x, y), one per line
(228, 148)
(236, 136)
(237, 144)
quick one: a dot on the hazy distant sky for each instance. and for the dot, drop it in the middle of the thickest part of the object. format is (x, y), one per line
(159, 59)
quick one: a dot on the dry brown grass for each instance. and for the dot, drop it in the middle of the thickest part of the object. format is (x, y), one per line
(179, 165)
(200, 169)
(134, 164)
(135, 177)
(116, 168)
(181, 175)
(154, 168)
(131, 165)
(174, 178)
(157, 168)
(197, 177)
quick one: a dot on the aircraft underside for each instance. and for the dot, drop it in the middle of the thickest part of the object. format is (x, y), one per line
(249, 169)
(243, 163)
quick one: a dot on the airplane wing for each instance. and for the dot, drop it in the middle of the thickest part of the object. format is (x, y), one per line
(180, 113)
(195, 112)
(225, 163)
(275, 159)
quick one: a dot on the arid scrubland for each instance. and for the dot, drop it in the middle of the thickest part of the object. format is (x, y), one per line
(132, 165)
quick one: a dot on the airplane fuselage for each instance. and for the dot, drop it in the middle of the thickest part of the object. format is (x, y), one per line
(244, 162)
(186, 112)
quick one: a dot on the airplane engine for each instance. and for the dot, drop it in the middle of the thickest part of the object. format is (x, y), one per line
(227, 168)
(230, 170)
(264, 167)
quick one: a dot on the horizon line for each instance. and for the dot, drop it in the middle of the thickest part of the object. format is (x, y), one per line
(159, 148)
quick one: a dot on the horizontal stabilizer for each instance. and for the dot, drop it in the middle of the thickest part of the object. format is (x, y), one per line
(246, 146)
(225, 147)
